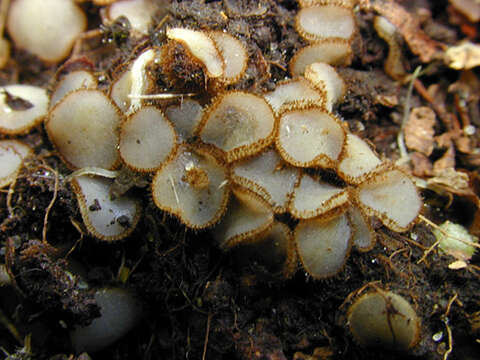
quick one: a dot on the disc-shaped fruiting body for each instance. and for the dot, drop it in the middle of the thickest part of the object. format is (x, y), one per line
(147, 139)
(269, 176)
(310, 137)
(21, 108)
(344, 3)
(12, 154)
(84, 129)
(201, 47)
(105, 217)
(358, 161)
(320, 22)
(79, 79)
(185, 118)
(193, 186)
(234, 55)
(384, 319)
(239, 124)
(323, 245)
(248, 218)
(291, 93)
(46, 28)
(139, 13)
(364, 237)
(392, 197)
(326, 79)
(330, 51)
(314, 197)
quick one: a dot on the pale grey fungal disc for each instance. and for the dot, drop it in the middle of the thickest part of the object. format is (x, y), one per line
(384, 319)
(185, 117)
(234, 55)
(147, 139)
(84, 129)
(238, 123)
(392, 197)
(31, 109)
(364, 237)
(138, 12)
(247, 219)
(105, 217)
(310, 137)
(269, 176)
(12, 154)
(313, 197)
(323, 245)
(291, 92)
(193, 186)
(79, 79)
(324, 22)
(358, 161)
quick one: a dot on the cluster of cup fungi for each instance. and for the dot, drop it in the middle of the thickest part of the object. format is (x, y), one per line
(278, 169)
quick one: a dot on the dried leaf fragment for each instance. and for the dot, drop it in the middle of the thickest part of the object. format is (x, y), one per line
(463, 57)
(419, 130)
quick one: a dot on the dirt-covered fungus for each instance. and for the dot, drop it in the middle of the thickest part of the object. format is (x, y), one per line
(310, 137)
(202, 47)
(324, 22)
(84, 129)
(268, 176)
(147, 139)
(323, 245)
(193, 186)
(79, 79)
(138, 12)
(392, 197)
(238, 123)
(384, 319)
(326, 79)
(21, 108)
(107, 218)
(46, 28)
(12, 154)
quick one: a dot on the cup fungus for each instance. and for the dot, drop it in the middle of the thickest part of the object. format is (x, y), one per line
(185, 117)
(234, 55)
(384, 319)
(325, 79)
(12, 154)
(75, 80)
(46, 28)
(21, 108)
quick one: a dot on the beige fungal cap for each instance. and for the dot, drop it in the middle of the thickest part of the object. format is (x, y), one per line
(323, 245)
(238, 123)
(325, 78)
(234, 55)
(147, 139)
(358, 161)
(75, 80)
(138, 12)
(46, 28)
(105, 218)
(248, 217)
(202, 47)
(292, 92)
(12, 154)
(343, 3)
(323, 22)
(21, 108)
(268, 176)
(364, 237)
(84, 129)
(310, 137)
(330, 51)
(185, 117)
(192, 186)
(313, 198)
(392, 197)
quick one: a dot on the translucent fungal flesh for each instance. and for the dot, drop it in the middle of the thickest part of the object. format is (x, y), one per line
(323, 22)
(46, 28)
(234, 55)
(12, 154)
(384, 319)
(392, 197)
(313, 198)
(202, 47)
(248, 217)
(21, 108)
(239, 124)
(310, 137)
(323, 245)
(138, 12)
(84, 129)
(147, 139)
(268, 176)
(193, 187)
(325, 78)
(75, 80)
(364, 237)
(105, 217)
(185, 117)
